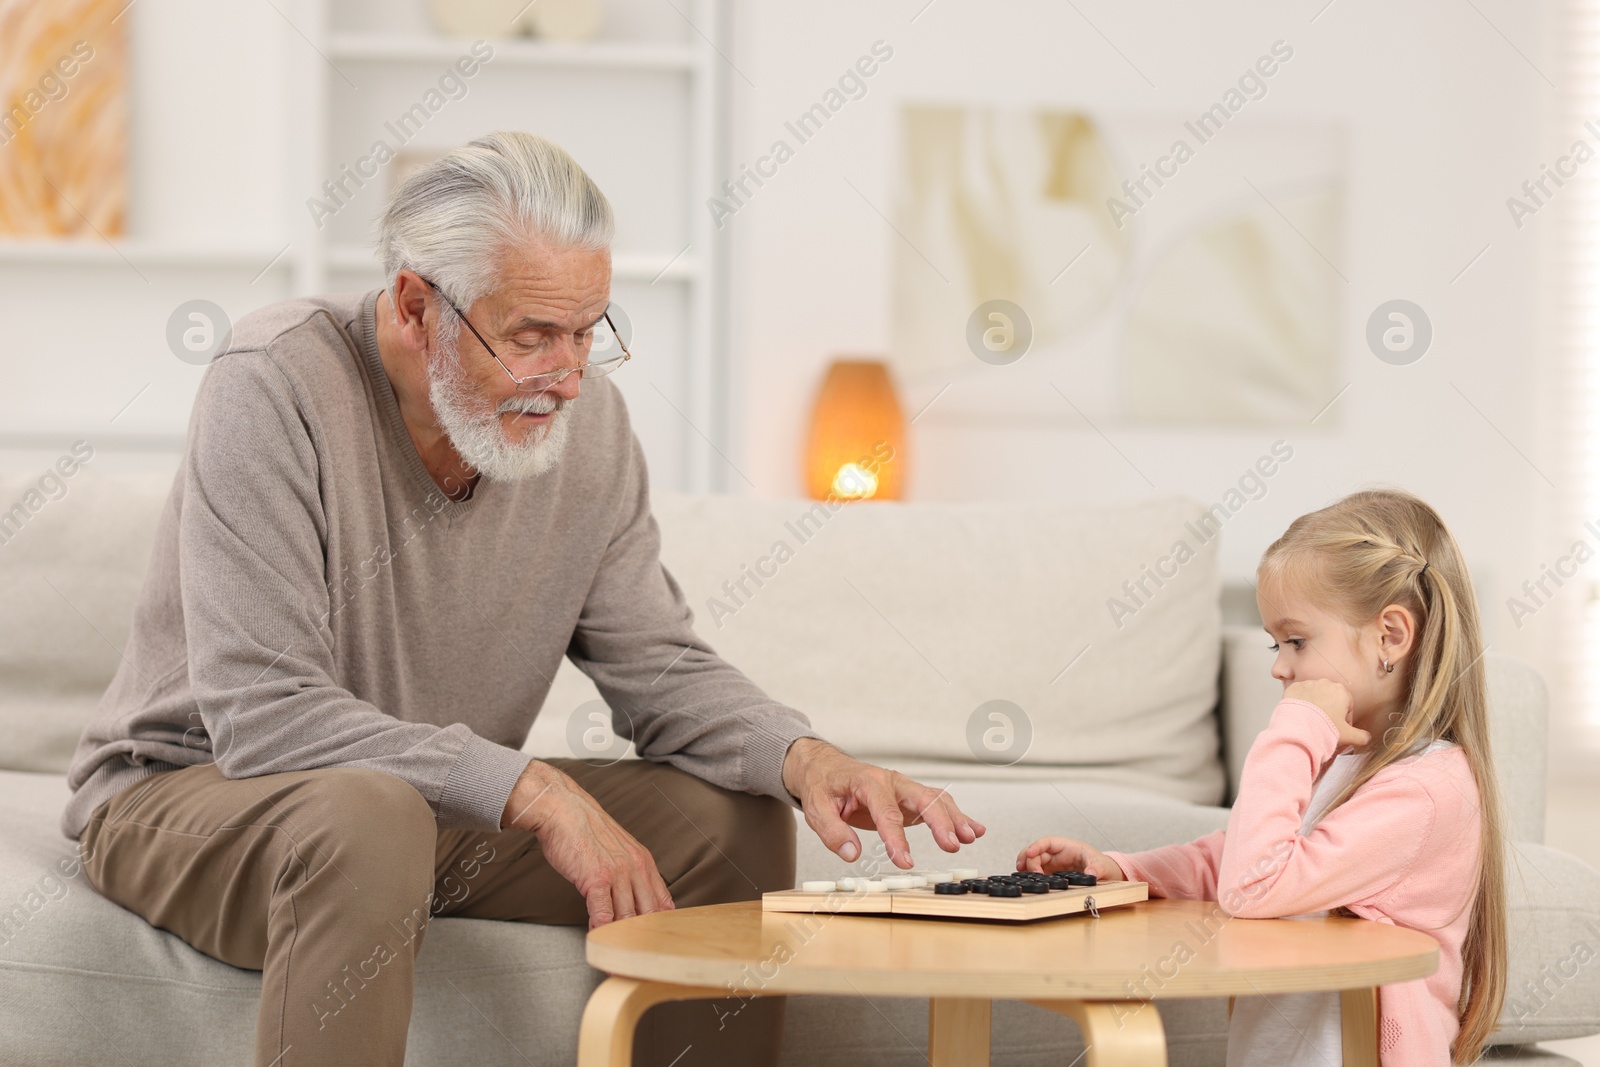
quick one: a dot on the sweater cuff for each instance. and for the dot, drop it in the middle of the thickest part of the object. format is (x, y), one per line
(1309, 728)
(1130, 869)
(765, 750)
(479, 787)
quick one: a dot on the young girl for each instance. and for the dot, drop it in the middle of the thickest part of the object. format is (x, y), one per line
(1371, 791)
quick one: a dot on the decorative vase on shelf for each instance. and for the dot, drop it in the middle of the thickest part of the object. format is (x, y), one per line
(478, 18)
(562, 20)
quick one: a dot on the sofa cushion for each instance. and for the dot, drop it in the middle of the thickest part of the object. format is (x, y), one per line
(84, 981)
(69, 575)
(894, 627)
(1527, 1056)
(1553, 976)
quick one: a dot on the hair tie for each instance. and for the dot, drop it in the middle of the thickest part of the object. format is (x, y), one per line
(1423, 571)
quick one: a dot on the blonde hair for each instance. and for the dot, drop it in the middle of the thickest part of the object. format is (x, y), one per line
(1362, 554)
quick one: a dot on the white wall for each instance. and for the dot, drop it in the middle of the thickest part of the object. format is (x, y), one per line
(1445, 120)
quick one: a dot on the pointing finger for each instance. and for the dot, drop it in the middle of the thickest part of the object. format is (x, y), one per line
(936, 812)
(887, 819)
(833, 831)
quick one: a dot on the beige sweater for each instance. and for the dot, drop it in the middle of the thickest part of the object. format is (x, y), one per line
(315, 601)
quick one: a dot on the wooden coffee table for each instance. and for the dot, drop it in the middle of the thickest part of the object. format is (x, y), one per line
(1100, 972)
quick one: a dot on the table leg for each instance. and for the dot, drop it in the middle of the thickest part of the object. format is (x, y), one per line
(958, 1032)
(605, 1037)
(1359, 1015)
(1116, 1033)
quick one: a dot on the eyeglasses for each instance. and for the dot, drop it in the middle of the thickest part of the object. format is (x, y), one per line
(538, 383)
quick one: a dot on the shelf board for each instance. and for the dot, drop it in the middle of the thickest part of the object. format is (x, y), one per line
(420, 48)
(80, 253)
(255, 258)
(631, 268)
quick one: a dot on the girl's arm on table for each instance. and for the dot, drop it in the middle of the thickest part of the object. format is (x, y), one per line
(1179, 872)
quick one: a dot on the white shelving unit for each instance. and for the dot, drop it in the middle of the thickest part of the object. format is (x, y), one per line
(641, 108)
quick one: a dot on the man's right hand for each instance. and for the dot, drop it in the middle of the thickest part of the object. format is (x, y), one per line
(616, 875)
(1050, 854)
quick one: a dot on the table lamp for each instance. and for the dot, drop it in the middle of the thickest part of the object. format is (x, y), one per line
(857, 444)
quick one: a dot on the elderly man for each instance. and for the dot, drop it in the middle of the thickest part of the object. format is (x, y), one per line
(386, 533)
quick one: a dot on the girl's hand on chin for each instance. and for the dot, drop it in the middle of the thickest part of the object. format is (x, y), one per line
(1334, 701)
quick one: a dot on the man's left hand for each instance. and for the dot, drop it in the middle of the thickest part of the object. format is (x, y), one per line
(837, 792)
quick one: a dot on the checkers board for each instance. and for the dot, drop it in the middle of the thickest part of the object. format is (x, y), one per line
(1031, 898)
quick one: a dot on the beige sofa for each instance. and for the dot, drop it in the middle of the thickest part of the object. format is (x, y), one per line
(971, 645)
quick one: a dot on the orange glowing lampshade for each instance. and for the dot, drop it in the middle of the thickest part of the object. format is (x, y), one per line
(857, 445)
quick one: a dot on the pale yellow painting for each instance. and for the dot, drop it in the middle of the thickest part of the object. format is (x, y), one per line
(1236, 321)
(63, 128)
(997, 203)
(1052, 265)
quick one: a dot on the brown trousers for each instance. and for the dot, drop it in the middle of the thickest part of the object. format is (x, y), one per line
(301, 875)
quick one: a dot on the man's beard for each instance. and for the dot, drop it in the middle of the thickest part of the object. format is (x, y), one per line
(477, 433)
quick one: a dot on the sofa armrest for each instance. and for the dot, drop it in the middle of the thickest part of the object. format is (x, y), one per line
(1553, 930)
(1519, 713)
(1518, 709)
(1249, 693)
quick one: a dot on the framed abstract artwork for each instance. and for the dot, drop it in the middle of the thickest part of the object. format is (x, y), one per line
(1176, 270)
(63, 118)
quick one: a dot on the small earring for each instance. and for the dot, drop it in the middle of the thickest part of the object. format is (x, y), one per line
(1388, 668)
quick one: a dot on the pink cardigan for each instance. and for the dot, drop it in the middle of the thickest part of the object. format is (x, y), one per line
(1403, 850)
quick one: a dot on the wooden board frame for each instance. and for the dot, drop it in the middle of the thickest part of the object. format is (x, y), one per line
(925, 902)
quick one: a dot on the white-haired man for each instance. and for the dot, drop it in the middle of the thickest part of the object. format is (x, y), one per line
(386, 533)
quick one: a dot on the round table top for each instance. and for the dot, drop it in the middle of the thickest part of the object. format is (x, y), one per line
(1152, 950)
